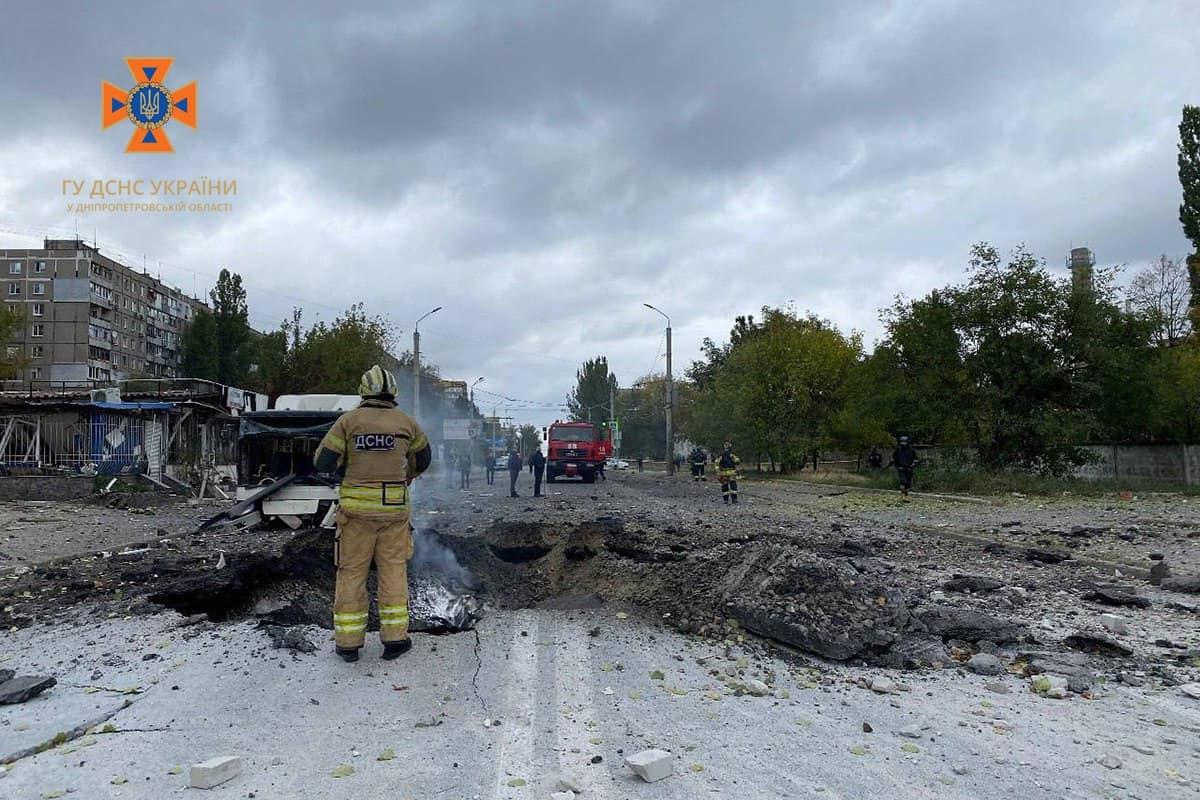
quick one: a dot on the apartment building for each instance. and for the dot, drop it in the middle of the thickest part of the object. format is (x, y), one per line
(89, 318)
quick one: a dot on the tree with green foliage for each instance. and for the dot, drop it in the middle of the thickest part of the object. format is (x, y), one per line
(1016, 364)
(199, 346)
(777, 389)
(12, 361)
(529, 439)
(331, 357)
(1189, 209)
(594, 384)
(232, 319)
(642, 413)
(1175, 403)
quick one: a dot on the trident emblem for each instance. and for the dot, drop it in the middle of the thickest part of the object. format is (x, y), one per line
(149, 105)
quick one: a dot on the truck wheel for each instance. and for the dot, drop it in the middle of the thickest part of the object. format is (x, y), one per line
(589, 477)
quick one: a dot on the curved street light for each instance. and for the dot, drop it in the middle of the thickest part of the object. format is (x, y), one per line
(417, 364)
(670, 395)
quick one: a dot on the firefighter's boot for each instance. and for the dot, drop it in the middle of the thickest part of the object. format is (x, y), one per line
(396, 649)
(347, 654)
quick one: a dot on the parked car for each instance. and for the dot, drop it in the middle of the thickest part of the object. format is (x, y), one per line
(616, 463)
(500, 464)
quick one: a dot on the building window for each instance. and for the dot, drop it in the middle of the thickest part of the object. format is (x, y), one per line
(12, 351)
(14, 289)
(40, 266)
(39, 288)
(37, 351)
(38, 309)
(35, 373)
(14, 268)
(39, 329)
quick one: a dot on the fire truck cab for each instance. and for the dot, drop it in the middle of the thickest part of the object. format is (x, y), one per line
(575, 450)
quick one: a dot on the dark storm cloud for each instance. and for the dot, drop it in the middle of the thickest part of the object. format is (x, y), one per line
(541, 169)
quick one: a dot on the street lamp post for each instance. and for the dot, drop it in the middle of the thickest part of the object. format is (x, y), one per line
(670, 396)
(471, 395)
(417, 365)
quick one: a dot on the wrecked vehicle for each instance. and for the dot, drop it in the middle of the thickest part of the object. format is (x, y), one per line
(276, 479)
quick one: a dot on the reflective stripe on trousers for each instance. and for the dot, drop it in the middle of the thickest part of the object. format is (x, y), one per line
(388, 543)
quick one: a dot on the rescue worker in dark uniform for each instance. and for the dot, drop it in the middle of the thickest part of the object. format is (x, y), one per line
(727, 466)
(698, 459)
(464, 471)
(491, 469)
(514, 472)
(905, 459)
(383, 451)
(537, 464)
(875, 458)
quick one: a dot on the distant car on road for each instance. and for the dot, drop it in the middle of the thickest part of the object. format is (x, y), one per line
(616, 463)
(501, 463)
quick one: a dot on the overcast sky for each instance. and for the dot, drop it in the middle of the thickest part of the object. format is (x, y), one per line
(542, 169)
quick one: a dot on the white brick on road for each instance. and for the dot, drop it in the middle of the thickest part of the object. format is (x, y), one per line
(214, 772)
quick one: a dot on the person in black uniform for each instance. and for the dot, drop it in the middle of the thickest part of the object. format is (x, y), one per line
(537, 463)
(514, 471)
(905, 459)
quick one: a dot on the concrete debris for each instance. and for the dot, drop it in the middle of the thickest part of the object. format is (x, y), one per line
(1191, 690)
(985, 664)
(1045, 556)
(1111, 596)
(1096, 644)
(817, 604)
(562, 796)
(289, 638)
(919, 652)
(1114, 624)
(19, 689)
(214, 772)
(967, 624)
(569, 783)
(1039, 662)
(971, 583)
(1159, 572)
(651, 765)
(757, 688)
(884, 686)
(1110, 762)
(1189, 584)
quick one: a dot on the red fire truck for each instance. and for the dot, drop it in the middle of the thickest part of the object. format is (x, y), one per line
(576, 449)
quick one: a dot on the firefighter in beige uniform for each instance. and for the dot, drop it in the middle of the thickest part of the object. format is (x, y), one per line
(383, 450)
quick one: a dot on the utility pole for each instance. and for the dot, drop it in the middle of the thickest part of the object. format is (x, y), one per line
(670, 397)
(612, 412)
(417, 365)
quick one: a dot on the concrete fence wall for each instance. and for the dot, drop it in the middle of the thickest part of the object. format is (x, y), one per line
(1171, 463)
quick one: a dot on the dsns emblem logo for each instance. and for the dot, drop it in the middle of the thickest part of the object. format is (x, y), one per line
(149, 105)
